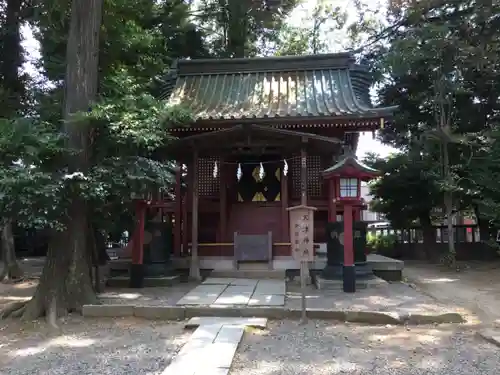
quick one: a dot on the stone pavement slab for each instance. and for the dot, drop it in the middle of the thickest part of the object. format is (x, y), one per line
(267, 300)
(211, 348)
(244, 282)
(235, 295)
(202, 295)
(215, 291)
(211, 320)
(230, 334)
(270, 287)
(218, 280)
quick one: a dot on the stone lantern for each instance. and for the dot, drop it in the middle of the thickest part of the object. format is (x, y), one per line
(151, 240)
(346, 240)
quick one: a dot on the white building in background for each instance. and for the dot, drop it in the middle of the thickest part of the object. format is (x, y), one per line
(367, 215)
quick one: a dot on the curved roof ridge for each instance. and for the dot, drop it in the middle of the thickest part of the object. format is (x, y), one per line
(265, 64)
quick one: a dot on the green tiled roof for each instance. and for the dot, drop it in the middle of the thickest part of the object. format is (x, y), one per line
(280, 87)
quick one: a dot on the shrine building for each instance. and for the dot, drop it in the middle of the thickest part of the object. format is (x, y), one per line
(265, 132)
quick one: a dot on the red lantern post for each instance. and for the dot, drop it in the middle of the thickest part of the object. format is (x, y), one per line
(345, 179)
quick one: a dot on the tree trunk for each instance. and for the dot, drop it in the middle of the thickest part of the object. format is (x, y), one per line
(12, 59)
(450, 258)
(14, 89)
(484, 226)
(65, 284)
(429, 234)
(237, 30)
(11, 269)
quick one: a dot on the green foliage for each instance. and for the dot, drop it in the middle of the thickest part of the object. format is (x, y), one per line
(407, 189)
(314, 34)
(129, 126)
(238, 28)
(440, 66)
(382, 244)
(29, 191)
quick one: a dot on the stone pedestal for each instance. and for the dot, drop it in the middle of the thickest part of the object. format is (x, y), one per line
(337, 283)
(335, 252)
(158, 244)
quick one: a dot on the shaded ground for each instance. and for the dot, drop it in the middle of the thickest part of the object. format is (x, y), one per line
(22, 291)
(475, 288)
(104, 347)
(326, 348)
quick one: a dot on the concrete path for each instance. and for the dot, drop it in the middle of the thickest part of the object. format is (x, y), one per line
(211, 348)
(243, 292)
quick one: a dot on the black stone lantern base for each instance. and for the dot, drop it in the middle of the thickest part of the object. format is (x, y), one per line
(159, 269)
(136, 275)
(362, 271)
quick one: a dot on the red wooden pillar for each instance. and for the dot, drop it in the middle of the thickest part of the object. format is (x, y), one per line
(285, 225)
(357, 214)
(348, 236)
(332, 205)
(223, 205)
(178, 212)
(137, 267)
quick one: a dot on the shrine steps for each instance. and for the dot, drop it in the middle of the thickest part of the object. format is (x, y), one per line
(250, 271)
(241, 274)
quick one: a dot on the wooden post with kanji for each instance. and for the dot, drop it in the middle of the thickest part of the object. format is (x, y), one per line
(302, 242)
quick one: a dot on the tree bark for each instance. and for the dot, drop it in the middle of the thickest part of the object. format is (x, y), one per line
(14, 89)
(429, 234)
(484, 226)
(448, 203)
(12, 59)
(11, 269)
(66, 284)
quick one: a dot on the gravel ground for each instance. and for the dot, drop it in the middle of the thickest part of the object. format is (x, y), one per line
(104, 347)
(325, 348)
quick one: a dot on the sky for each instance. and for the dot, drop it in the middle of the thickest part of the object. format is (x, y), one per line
(337, 43)
(298, 16)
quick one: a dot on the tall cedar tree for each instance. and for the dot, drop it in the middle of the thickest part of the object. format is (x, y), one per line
(65, 284)
(11, 95)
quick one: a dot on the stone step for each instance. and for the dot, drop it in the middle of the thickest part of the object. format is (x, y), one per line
(371, 282)
(124, 281)
(249, 274)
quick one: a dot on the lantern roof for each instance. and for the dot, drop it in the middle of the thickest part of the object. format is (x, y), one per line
(350, 166)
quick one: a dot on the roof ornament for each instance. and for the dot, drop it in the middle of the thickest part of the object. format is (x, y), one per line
(285, 168)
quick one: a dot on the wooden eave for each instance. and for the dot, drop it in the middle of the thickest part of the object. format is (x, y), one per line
(221, 142)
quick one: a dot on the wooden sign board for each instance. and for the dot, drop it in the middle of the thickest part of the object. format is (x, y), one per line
(302, 232)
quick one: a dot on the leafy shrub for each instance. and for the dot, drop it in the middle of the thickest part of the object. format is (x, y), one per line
(383, 244)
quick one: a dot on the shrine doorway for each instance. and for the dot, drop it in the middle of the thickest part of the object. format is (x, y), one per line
(256, 206)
